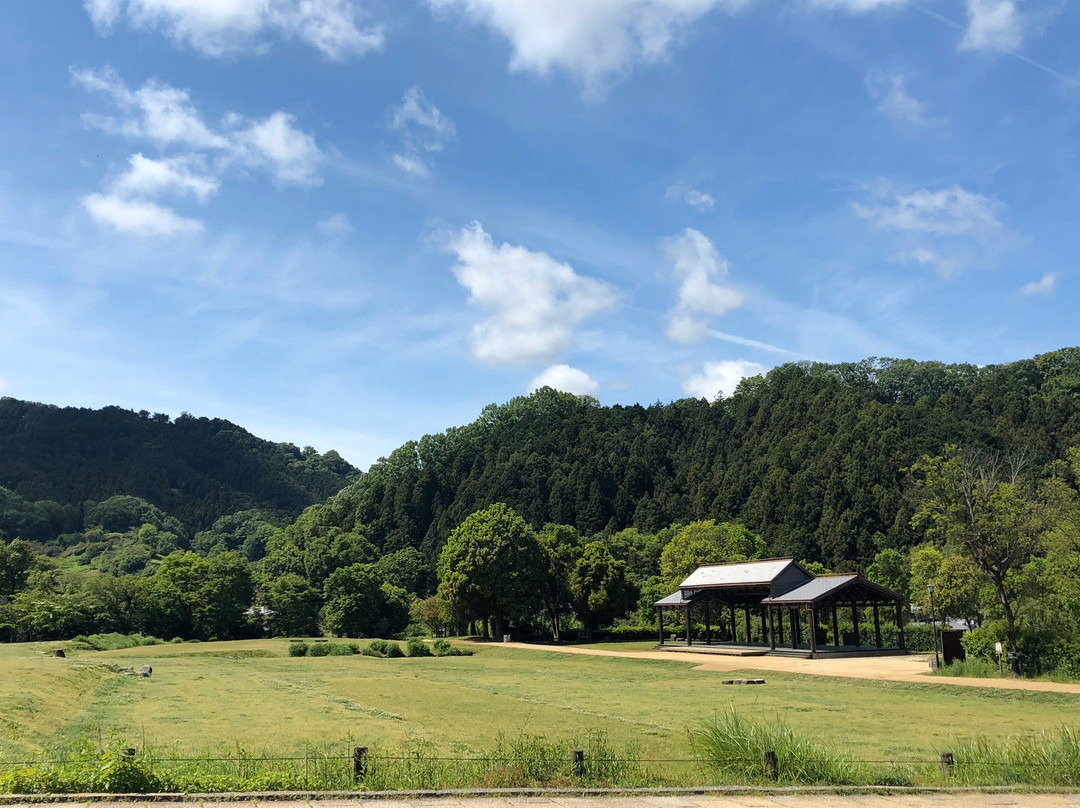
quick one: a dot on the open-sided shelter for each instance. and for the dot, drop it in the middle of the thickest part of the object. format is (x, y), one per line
(778, 606)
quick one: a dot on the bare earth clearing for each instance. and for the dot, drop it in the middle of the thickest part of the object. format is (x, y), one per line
(914, 668)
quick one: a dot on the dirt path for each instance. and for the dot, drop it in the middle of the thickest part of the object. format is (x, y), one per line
(774, 799)
(913, 668)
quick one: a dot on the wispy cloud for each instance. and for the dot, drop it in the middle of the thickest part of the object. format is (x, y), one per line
(947, 212)
(533, 302)
(337, 28)
(703, 292)
(336, 224)
(423, 131)
(896, 102)
(137, 218)
(993, 25)
(698, 200)
(1044, 286)
(167, 117)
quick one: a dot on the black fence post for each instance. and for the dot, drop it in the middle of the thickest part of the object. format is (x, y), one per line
(772, 765)
(359, 763)
(947, 763)
(577, 762)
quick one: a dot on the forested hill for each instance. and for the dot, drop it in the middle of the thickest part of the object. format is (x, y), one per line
(811, 455)
(194, 469)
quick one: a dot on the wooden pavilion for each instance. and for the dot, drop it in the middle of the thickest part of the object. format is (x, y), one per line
(778, 606)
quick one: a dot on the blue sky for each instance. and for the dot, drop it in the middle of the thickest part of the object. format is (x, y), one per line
(347, 223)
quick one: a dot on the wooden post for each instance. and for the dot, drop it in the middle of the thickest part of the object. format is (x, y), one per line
(835, 628)
(746, 612)
(811, 621)
(734, 633)
(359, 763)
(577, 763)
(780, 626)
(660, 622)
(708, 623)
(689, 639)
(772, 629)
(877, 626)
(764, 627)
(772, 765)
(796, 637)
(855, 622)
(947, 763)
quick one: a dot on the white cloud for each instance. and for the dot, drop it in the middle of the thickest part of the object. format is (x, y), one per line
(278, 146)
(1044, 286)
(589, 40)
(948, 212)
(224, 27)
(138, 218)
(155, 112)
(721, 378)
(895, 102)
(993, 25)
(167, 117)
(423, 129)
(148, 177)
(701, 272)
(567, 379)
(699, 200)
(533, 301)
(336, 224)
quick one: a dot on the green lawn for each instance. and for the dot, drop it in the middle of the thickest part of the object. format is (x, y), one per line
(216, 695)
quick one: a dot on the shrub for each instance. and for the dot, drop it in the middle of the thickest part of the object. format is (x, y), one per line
(416, 647)
(443, 648)
(393, 651)
(344, 648)
(319, 649)
(114, 641)
(298, 649)
(176, 640)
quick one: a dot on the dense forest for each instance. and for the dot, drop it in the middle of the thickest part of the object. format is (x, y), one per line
(194, 469)
(120, 521)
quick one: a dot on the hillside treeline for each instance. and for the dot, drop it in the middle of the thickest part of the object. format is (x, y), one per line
(811, 456)
(54, 460)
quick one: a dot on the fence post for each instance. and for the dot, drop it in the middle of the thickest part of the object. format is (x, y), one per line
(772, 765)
(577, 762)
(359, 763)
(947, 763)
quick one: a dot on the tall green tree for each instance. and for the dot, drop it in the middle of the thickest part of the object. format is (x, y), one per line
(980, 502)
(599, 588)
(707, 542)
(490, 567)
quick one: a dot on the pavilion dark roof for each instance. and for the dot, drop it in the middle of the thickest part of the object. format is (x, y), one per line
(828, 587)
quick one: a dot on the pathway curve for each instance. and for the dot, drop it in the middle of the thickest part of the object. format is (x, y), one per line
(912, 668)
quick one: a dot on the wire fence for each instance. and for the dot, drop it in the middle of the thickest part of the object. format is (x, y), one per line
(132, 770)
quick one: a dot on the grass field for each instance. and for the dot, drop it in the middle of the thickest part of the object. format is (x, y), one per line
(251, 694)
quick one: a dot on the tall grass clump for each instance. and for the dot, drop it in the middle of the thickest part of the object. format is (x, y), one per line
(735, 746)
(298, 649)
(974, 668)
(1040, 759)
(114, 641)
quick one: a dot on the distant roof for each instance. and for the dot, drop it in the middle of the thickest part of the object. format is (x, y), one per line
(674, 599)
(743, 573)
(829, 585)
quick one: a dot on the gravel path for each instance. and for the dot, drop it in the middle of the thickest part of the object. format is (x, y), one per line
(912, 668)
